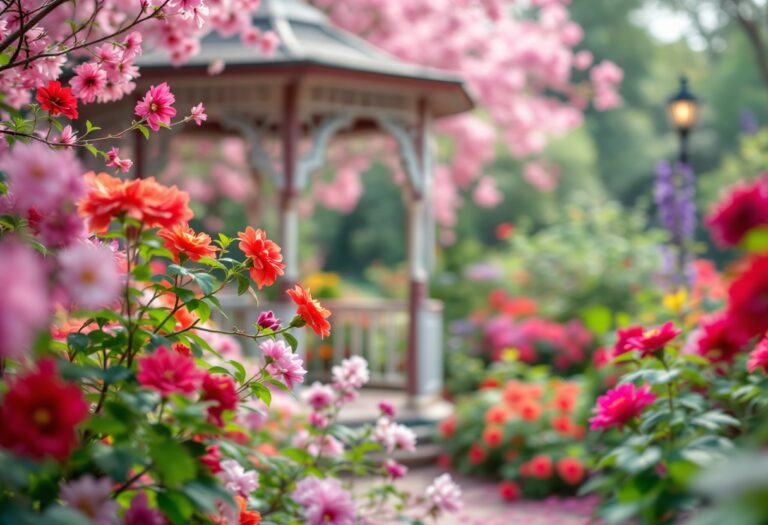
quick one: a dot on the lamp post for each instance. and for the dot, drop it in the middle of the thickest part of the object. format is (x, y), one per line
(683, 112)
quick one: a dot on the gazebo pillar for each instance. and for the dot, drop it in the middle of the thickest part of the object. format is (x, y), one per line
(288, 214)
(418, 255)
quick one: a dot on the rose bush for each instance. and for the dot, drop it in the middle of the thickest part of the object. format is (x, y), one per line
(524, 427)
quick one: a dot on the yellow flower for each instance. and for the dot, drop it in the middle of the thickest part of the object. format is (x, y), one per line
(676, 301)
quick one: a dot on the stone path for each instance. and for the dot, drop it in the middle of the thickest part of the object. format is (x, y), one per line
(484, 506)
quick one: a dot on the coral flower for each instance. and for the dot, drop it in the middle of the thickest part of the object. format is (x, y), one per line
(530, 410)
(182, 240)
(493, 436)
(57, 100)
(497, 414)
(509, 491)
(570, 470)
(447, 427)
(758, 359)
(654, 340)
(39, 414)
(618, 406)
(221, 389)
(310, 311)
(156, 106)
(143, 199)
(247, 517)
(745, 208)
(169, 372)
(265, 258)
(540, 466)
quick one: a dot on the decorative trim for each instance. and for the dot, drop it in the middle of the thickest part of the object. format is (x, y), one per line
(408, 154)
(315, 158)
(260, 159)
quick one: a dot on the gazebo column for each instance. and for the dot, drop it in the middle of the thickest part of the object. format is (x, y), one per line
(288, 214)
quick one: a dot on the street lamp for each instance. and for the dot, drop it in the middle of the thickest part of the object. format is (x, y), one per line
(683, 111)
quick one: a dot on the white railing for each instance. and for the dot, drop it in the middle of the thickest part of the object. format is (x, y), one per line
(376, 329)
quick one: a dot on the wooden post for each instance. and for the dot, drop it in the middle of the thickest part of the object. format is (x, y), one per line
(288, 213)
(416, 259)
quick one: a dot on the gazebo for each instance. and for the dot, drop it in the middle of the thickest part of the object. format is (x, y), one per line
(319, 83)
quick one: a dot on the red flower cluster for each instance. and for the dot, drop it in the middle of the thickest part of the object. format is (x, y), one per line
(143, 199)
(718, 340)
(40, 412)
(748, 299)
(265, 257)
(169, 372)
(743, 209)
(57, 100)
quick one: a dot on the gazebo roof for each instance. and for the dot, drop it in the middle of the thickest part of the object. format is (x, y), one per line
(309, 42)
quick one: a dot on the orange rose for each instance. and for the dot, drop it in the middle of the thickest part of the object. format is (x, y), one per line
(181, 239)
(266, 259)
(145, 200)
(313, 314)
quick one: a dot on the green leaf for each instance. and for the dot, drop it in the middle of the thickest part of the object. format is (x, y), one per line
(242, 284)
(173, 462)
(219, 370)
(92, 149)
(176, 506)
(598, 319)
(56, 515)
(144, 131)
(206, 495)
(206, 281)
(116, 461)
(261, 392)
(240, 374)
(756, 240)
(77, 342)
(291, 340)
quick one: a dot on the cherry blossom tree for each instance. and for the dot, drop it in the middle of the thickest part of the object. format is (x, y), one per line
(520, 59)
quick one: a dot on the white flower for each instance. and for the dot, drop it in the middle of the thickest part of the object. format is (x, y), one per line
(444, 494)
(394, 436)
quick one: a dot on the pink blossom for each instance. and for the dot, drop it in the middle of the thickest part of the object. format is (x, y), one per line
(237, 480)
(92, 498)
(620, 405)
(24, 302)
(541, 176)
(41, 178)
(89, 274)
(268, 43)
(114, 161)
(351, 374)
(394, 436)
(58, 228)
(758, 358)
(582, 60)
(323, 445)
(140, 513)
(606, 78)
(169, 372)
(324, 501)
(89, 81)
(318, 420)
(68, 136)
(318, 396)
(285, 365)
(486, 194)
(386, 408)
(216, 67)
(198, 114)
(394, 469)
(156, 106)
(444, 494)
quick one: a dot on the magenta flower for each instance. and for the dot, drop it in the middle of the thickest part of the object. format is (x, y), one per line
(156, 106)
(198, 114)
(351, 374)
(267, 319)
(652, 340)
(394, 469)
(758, 359)
(318, 396)
(140, 513)
(387, 408)
(89, 81)
(168, 372)
(325, 502)
(618, 406)
(285, 365)
(114, 161)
